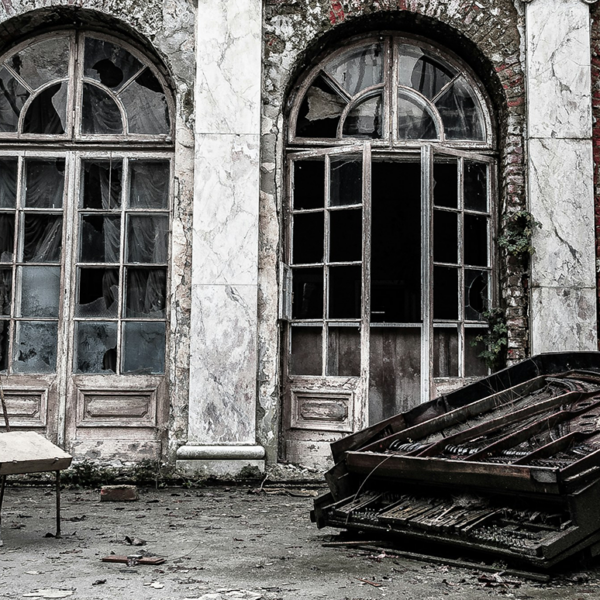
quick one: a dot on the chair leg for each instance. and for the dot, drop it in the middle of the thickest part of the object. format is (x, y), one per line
(57, 504)
(2, 485)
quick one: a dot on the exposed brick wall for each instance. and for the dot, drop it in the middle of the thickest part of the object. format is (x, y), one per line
(595, 44)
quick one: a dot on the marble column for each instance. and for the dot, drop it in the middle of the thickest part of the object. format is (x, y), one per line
(223, 363)
(560, 165)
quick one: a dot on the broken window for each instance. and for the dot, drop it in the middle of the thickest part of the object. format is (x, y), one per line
(388, 268)
(84, 233)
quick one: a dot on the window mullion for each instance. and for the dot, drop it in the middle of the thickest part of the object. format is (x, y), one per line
(326, 274)
(123, 239)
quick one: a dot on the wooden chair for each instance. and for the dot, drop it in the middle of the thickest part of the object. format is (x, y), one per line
(29, 452)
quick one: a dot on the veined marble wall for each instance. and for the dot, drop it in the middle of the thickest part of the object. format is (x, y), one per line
(563, 281)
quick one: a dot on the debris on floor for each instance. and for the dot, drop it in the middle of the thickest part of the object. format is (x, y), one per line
(118, 493)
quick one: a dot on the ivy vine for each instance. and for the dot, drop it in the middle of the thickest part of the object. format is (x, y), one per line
(495, 340)
(517, 233)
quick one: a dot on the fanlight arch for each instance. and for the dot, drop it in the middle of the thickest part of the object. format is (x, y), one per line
(392, 90)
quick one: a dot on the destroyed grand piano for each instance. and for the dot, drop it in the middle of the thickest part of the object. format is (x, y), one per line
(508, 466)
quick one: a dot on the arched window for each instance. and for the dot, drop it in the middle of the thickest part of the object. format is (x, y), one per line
(388, 264)
(85, 171)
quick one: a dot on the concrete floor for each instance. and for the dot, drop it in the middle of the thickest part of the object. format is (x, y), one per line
(224, 543)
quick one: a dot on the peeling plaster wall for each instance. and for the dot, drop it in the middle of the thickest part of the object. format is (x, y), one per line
(487, 34)
(165, 28)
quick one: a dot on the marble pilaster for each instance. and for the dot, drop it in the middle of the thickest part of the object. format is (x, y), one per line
(560, 165)
(223, 353)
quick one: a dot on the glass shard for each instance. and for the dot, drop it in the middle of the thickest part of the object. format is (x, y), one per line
(358, 68)
(365, 120)
(414, 121)
(12, 97)
(144, 348)
(307, 351)
(100, 114)
(146, 105)
(108, 63)
(309, 184)
(43, 61)
(345, 235)
(320, 111)
(307, 246)
(43, 238)
(346, 181)
(40, 291)
(45, 182)
(47, 114)
(149, 186)
(101, 184)
(7, 237)
(34, 349)
(98, 293)
(421, 71)
(307, 299)
(100, 239)
(476, 294)
(95, 347)
(8, 182)
(147, 239)
(146, 293)
(460, 112)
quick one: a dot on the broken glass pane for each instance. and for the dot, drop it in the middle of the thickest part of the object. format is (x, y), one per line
(101, 184)
(7, 237)
(146, 292)
(43, 61)
(475, 185)
(34, 349)
(420, 71)
(95, 347)
(309, 184)
(4, 338)
(8, 182)
(12, 97)
(43, 238)
(47, 114)
(476, 294)
(365, 120)
(414, 120)
(474, 365)
(108, 63)
(345, 237)
(5, 291)
(358, 68)
(307, 298)
(144, 347)
(44, 183)
(476, 240)
(149, 186)
(346, 181)
(460, 112)
(100, 239)
(445, 236)
(307, 244)
(99, 113)
(445, 184)
(146, 106)
(320, 111)
(147, 239)
(445, 293)
(40, 291)
(343, 351)
(98, 293)
(345, 292)
(307, 351)
(445, 352)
